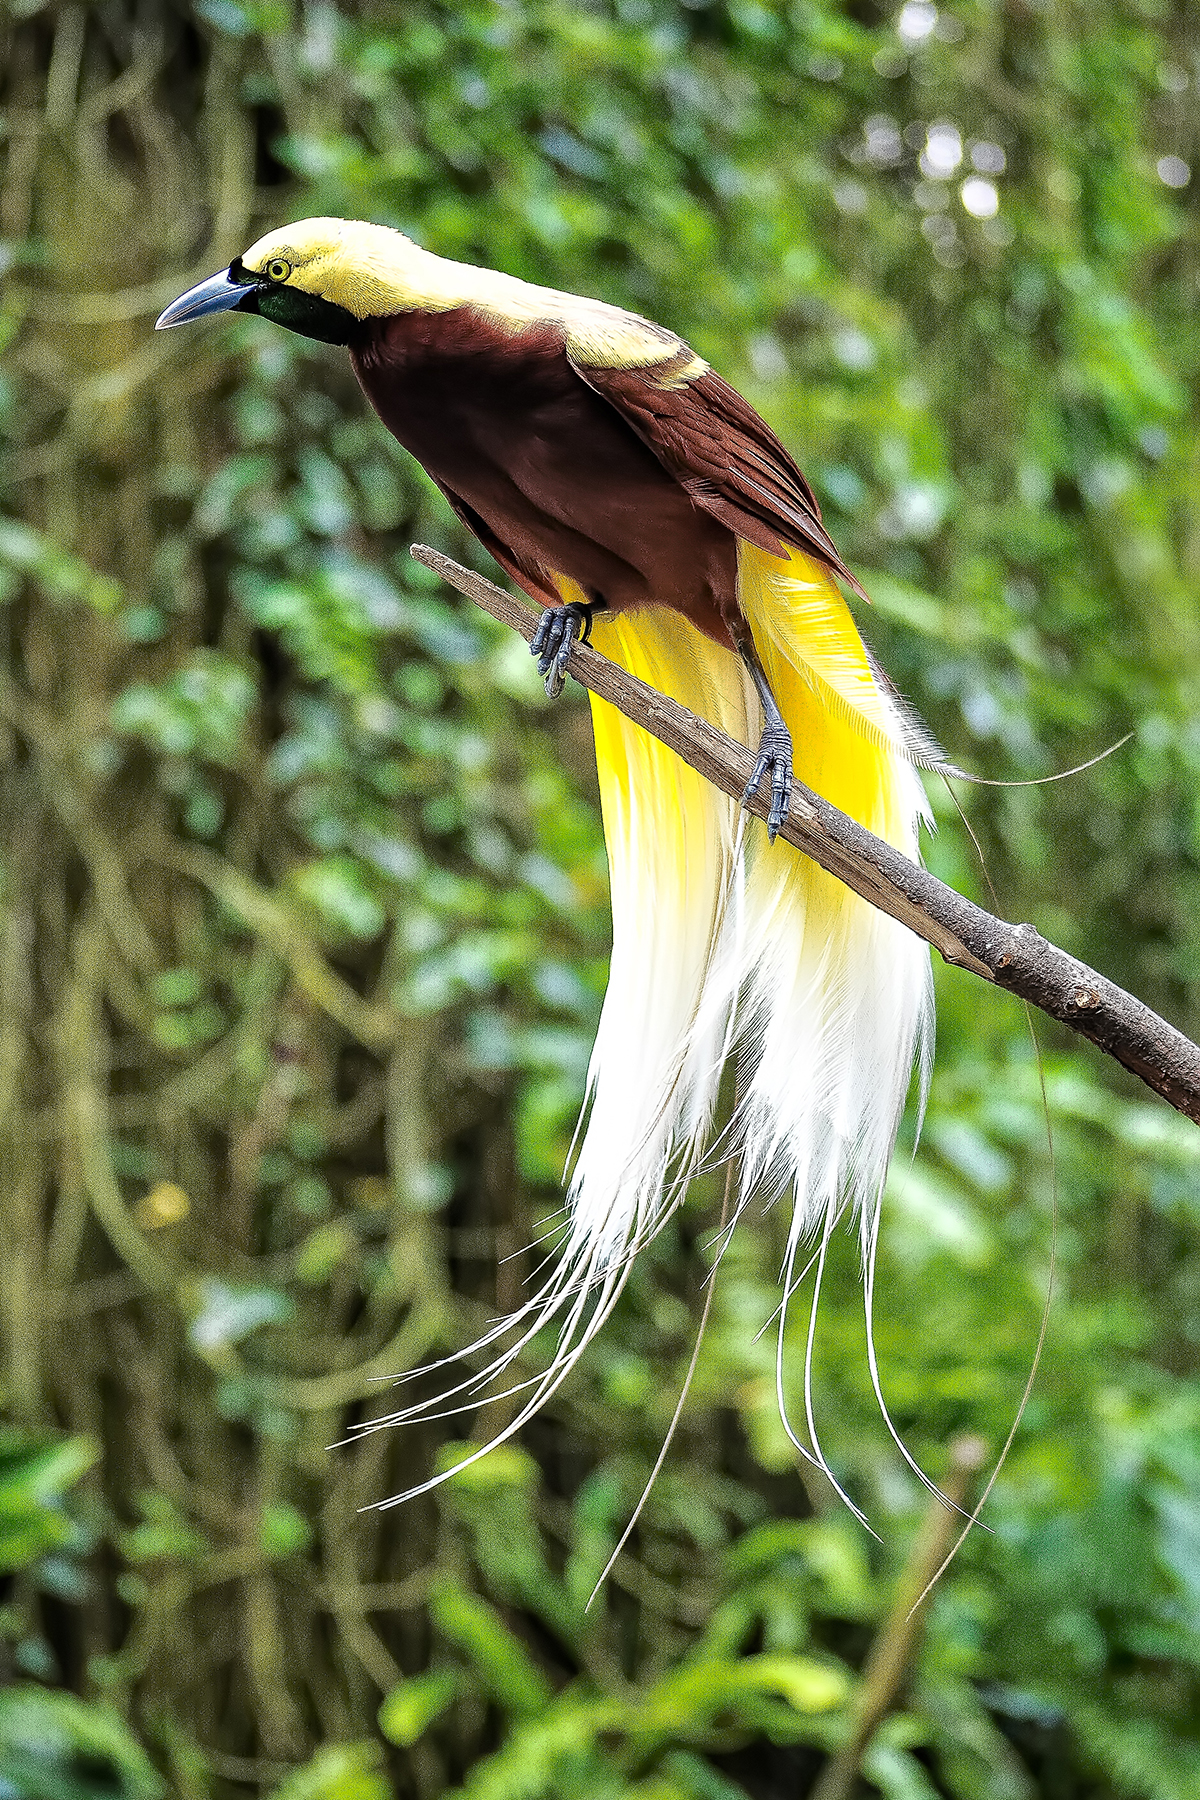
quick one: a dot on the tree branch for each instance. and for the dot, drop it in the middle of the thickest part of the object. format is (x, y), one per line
(1014, 957)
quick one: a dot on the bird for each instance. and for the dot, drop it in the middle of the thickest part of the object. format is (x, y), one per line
(644, 506)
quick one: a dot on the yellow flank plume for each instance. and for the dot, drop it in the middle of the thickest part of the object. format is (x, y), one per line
(722, 941)
(673, 858)
(839, 717)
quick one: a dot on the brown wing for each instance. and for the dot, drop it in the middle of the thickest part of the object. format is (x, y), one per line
(726, 457)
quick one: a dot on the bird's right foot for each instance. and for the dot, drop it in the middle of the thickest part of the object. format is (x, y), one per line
(775, 759)
(559, 629)
(775, 744)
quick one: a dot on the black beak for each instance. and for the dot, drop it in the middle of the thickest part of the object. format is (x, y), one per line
(220, 293)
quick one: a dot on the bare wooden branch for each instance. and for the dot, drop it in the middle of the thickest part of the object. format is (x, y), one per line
(1014, 957)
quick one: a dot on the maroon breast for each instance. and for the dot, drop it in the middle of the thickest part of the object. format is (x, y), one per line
(502, 422)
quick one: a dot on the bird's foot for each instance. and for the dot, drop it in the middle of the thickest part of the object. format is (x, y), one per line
(774, 754)
(559, 629)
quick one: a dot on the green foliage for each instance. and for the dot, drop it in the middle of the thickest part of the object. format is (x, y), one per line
(46, 1540)
(411, 1708)
(54, 1747)
(201, 711)
(339, 1772)
(303, 918)
(59, 575)
(36, 1476)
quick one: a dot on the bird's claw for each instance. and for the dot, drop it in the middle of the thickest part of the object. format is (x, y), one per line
(775, 754)
(559, 629)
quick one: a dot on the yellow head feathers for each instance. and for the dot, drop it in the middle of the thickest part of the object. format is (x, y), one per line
(375, 272)
(369, 270)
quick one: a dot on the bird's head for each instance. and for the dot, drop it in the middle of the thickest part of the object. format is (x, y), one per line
(321, 277)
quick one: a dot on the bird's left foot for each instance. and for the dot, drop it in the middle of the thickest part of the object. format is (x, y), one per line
(559, 629)
(775, 755)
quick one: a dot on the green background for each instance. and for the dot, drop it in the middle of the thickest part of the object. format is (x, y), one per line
(303, 916)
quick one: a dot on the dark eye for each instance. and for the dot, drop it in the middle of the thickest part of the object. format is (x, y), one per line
(278, 269)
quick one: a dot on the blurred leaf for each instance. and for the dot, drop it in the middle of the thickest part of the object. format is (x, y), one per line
(337, 892)
(283, 1531)
(164, 1534)
(505, 1466)
(495, 1657)
(202, 710)
(413, 1706)
(61, 575)
(224, 1314)
(338, 1772)
(36, 1474)
(56, 1747)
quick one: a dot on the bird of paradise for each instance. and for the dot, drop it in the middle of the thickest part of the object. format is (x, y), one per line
(642, 503)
